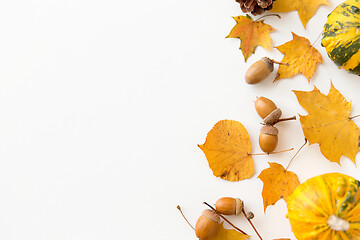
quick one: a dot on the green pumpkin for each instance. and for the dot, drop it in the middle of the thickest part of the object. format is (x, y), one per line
(341, 36)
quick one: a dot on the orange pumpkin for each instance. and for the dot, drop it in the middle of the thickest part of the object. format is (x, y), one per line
(326, 207)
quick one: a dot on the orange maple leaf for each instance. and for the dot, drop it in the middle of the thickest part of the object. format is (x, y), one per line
(252, 34)
(329, 123)
(278, 184)
(306, 8)
(227, 149)
(300, 56)
(228, 234)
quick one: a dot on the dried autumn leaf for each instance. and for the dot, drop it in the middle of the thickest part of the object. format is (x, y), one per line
(252, 34)
(227, 149)
(278, 184)
(228, 234)
(306, 8)
(329, 123)
(301, 57)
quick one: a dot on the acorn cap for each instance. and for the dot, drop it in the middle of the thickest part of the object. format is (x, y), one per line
(250, 215)
(239, 206)
(212, 215)
(273, 117)
(269, 63)
(269, 130)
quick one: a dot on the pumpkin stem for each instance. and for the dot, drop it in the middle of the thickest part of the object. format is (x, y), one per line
(338, 224)
(178, 207)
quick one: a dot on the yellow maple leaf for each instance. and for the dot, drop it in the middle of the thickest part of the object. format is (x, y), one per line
(227, 149)
(329, 123)
(228, 234)
(300, 56)
(306, 8)
(278, 184)
(252, 34)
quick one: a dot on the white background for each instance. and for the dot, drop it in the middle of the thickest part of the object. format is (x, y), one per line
(103, 103)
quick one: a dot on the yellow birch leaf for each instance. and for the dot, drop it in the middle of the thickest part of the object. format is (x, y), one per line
(301, 57)
(278, 184)
(329, 123)
(228, 234)
(227, 149)
(306, 8)
(252, 34)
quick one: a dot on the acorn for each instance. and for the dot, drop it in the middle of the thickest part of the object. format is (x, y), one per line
(267, 110)
(268, 138)
(207, 225)
(259, 70)
(229, 206)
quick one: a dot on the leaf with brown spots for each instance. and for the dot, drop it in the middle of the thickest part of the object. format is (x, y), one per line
(227, 149)
(278, 184)
(252, 34)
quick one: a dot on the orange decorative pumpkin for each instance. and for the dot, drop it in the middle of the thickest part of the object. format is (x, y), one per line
(326, 207)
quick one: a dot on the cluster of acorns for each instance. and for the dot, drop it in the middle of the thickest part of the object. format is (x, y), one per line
(270, 114)
(266, 108)
(208, 223)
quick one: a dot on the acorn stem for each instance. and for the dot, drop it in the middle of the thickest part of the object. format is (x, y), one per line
(252, 225)
(269, 15)
(257, 154)
(280, 63)
(178, 207)
(225, 218)
(286, 119)
(296, 154)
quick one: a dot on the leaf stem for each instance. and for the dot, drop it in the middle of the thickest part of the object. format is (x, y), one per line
(355, 116)
(178, 207)
(316, 39)
(252, 225)
(273, 14)
(257, 154)
(225, 218)
(296, 154)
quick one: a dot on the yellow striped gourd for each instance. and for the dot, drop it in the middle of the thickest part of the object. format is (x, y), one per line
(326, 207)
(341, 36)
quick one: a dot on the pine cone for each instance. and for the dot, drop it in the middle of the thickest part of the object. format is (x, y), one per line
(255, 7)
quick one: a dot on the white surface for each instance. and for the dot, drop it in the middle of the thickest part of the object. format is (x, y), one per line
(103, 103)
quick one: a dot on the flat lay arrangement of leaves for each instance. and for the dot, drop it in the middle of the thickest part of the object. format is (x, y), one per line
(323, 207)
